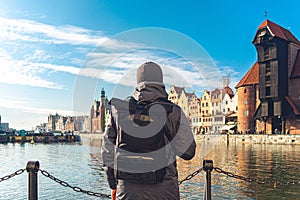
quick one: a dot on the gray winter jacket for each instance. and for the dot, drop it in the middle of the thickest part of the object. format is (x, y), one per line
(182, 144)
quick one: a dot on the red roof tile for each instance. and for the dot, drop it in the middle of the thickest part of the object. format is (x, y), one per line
(251, 77)
(279, 31)
(296, 69)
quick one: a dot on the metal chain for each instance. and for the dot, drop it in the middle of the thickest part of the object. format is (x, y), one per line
(20, 171)
(189, 177)
(250, 180)
(76, 189)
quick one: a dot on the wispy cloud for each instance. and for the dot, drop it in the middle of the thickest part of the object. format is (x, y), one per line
(113, 60)
(25, 106)
(32, 31)
(21, 73)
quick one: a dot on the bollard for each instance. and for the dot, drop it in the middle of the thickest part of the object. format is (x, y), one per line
(207, 167)
(32, 168)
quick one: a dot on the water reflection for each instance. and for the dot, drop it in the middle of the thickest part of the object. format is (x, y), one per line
(273, 163)
(80, 166)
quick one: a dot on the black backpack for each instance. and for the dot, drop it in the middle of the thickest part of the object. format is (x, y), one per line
(140, 156)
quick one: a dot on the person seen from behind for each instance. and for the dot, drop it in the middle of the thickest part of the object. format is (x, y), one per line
(144, 135)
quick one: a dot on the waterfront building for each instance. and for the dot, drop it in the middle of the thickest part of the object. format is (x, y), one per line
(79, 122)
(217, 117)
(183, 103)
(3, 126)
(97, 113)
(174, 94)
(247, 90)
(69, 125)
(60, 122)
(41, 128)
(86, 126)
(52, 122)
(222, 104)
(269, 93)
(195, 114)
(206, 117)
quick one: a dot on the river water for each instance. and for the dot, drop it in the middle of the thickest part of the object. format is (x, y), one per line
(81, 166)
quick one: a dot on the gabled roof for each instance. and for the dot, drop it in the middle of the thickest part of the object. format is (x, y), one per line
(296, 69)
(216, 92)
(189, 95)
(251, 77)
(279, 31)
(227, 90)
(178, 89)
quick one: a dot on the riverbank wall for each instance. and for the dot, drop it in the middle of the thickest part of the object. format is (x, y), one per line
(251, 139)
(95, 140)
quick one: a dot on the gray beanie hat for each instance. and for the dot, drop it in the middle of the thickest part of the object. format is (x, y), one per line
(150, 72)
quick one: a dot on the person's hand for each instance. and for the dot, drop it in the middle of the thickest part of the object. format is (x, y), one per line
(113, 194)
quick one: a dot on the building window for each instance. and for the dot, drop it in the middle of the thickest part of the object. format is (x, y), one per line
(212, 112)
(268, 91)
(246, 113)
(206, 111)
(245, 90)
(202, 104)
(266, 52)
(268, 78)
(216, 103)
(212, 104)
(226, 102)
(206, 104)
(268, 68)
(228, 109)
(204, 97)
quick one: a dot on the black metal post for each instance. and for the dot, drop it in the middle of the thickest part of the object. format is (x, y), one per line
(32, 168)
(208, 167)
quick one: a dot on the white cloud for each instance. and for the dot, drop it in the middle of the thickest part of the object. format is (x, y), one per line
(114, 63)
(20, 73)
(32, 31)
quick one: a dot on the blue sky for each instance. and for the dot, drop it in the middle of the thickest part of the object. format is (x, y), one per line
(56, 55)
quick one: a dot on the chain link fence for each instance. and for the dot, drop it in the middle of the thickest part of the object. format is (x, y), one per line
(19, 172)
(208, 168)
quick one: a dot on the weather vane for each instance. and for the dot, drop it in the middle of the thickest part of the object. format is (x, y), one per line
(266, 14)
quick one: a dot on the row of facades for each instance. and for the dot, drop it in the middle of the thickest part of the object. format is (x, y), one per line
(267, 99)
(214, 112)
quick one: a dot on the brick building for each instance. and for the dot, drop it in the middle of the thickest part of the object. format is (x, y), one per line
(247, 90)
(97, 114)
(269, 94)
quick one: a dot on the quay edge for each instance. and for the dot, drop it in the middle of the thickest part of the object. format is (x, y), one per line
(251, 139)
